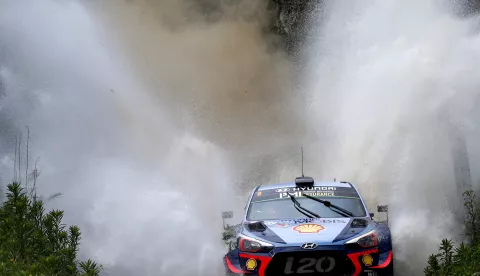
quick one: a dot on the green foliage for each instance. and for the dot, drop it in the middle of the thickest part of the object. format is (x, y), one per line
(463, 260)
(472, 221)
(36, 243)
(229, 235)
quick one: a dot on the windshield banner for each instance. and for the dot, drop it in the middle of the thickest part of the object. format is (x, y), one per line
(317, 191)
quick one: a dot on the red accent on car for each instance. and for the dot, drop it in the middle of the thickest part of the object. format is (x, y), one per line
(264, 260)
(233, 268)
(354, 258)
(386, 263)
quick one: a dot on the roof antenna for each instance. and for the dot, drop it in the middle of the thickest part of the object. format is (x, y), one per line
(304, 181)
(302, 161)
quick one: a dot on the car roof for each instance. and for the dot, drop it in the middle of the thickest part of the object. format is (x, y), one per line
(316, 183)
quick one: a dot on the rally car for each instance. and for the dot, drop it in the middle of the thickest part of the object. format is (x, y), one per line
(309, 228)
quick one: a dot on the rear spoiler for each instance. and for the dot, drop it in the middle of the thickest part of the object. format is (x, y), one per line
(383, 209)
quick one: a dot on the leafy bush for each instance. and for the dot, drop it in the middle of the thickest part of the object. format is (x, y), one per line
(463, 260)
(229, 235)
(35, 243)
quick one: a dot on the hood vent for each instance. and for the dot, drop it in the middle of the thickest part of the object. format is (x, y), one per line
(256, 226)
(359, 223)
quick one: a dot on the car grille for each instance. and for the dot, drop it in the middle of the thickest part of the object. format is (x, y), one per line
(312, 263)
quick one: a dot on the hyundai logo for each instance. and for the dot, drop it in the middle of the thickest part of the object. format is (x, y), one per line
(309, 245)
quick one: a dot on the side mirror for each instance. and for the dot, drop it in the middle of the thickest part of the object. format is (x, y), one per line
(372, 215)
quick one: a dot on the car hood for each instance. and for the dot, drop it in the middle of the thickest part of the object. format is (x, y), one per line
(319, 230)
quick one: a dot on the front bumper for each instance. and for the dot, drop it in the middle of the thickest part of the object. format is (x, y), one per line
(346, 263)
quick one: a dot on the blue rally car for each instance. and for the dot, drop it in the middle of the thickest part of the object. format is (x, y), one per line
(309, 228)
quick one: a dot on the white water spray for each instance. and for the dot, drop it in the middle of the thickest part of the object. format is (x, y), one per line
(394, 76)
(147, 117)
(127, 141)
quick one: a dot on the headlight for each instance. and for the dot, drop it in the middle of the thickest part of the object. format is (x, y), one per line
(366, 240)
(248, 244)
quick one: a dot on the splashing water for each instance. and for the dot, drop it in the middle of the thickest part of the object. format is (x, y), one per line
(151, 118)
(394, 77)
(122, 129)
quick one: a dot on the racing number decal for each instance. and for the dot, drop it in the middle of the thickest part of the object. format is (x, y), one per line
(310, 265)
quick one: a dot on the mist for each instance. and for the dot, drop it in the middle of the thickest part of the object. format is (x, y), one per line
(153, 117)
(394, 83)
(137, 120)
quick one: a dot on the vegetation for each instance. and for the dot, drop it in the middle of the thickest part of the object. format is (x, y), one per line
(229, 235)
(35, 243)
(32, 241)
(463, 260)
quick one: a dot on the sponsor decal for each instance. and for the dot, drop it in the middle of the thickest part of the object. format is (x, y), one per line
(301, 189)
(251, 264)
(309, 228)
(292, 222)
(316, 191)
(313, 220)
(300, 194)
(367, 260)
(276, 224)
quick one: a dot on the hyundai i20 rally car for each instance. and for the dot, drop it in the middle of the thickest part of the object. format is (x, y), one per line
(309, 228)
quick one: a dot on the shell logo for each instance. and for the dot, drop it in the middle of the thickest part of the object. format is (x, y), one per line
(308, 228)
(251, 264)
(367, 260)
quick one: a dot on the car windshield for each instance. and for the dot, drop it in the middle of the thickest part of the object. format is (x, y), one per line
(276, 204)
